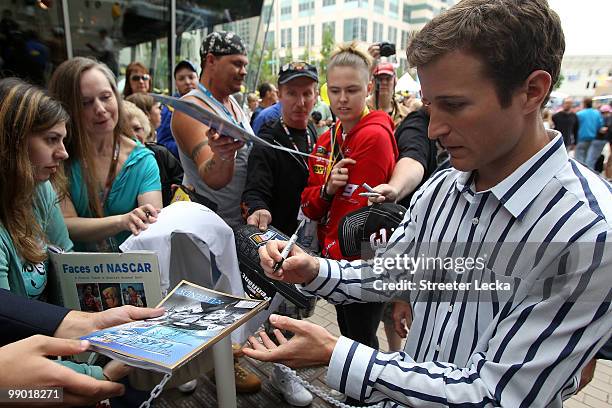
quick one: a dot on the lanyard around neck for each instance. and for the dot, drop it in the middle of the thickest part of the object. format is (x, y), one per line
(218, 103)
(308, 141)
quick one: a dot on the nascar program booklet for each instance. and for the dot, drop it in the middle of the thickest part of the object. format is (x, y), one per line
(195, 319)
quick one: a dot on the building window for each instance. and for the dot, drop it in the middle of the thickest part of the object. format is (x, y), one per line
(355, 29)
(327, 3)
(392, 37)
(394, 8)
(331, 27)
(270, 39)
(285, 38)
(306, 7)
(285, 11)
(377, 32)
(356, 3)
(306, 35)
(406, 13)
(404, 43)
(379, 6)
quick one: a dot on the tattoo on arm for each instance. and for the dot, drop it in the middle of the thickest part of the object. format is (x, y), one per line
(210, 163)
(197, 148)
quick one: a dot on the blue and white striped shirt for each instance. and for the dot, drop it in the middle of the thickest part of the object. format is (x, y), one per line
(554, 216)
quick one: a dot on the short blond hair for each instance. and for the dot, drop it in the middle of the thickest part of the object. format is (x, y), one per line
(352, 54)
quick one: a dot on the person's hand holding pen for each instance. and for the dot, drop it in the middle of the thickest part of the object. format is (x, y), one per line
(298, 267)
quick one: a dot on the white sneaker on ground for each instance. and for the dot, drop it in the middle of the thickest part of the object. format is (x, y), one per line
(293, 392)
(188, 387)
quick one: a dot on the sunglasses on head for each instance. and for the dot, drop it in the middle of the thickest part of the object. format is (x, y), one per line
(144, 77)
(297, 66)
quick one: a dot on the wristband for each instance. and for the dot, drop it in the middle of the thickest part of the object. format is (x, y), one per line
(324, 195)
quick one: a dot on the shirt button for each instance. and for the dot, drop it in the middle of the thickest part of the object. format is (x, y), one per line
(475, 220)
(437, 347)
(450, 309)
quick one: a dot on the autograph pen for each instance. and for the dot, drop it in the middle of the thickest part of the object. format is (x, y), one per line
(370, 193)
(289, 247)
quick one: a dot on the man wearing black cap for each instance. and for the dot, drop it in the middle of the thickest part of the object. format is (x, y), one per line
(276, 179)
(216, 165)
(186, 80)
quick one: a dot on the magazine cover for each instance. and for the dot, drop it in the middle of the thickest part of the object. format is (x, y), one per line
(93, 282)
(195, 319)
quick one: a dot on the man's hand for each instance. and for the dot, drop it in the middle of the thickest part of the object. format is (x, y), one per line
(260, 218)
(25, 364)
(387, 193)
(339, 176)
(77, 324)
(222, 146)
(299, 267)
(311, 345)
(402, 317)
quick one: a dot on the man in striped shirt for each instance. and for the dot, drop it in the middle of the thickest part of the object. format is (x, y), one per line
(519, 301)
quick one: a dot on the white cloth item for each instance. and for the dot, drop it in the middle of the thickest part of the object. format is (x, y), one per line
(207, 231)
(208, 234)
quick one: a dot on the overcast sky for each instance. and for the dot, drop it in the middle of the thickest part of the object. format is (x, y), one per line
(587, 25)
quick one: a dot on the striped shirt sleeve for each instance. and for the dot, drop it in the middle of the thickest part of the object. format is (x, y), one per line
(532, 358)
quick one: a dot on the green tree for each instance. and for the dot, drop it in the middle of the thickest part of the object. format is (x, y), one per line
(559, 81)
(266, 73)
(306, 54)
(327, 46)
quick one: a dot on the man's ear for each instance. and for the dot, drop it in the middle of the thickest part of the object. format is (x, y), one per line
(210, 59)
(370, 85)
(537, 86)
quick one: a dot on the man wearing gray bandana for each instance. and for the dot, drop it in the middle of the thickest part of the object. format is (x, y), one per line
(216, 165)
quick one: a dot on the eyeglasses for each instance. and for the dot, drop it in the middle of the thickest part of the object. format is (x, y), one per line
(297, 66)
(144, 77)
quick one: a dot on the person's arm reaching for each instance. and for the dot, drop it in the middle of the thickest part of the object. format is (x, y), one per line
(212, 154)
(407, 175)
(25, 364)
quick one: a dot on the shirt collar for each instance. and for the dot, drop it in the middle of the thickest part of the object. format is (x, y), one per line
(517, 191)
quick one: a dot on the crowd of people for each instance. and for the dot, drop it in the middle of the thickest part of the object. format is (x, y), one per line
(476, 159)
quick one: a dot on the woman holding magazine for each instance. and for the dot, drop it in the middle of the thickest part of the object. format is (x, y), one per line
(113, 182)
(32, 133)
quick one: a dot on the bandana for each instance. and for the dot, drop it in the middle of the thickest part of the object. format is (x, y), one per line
(222, 43)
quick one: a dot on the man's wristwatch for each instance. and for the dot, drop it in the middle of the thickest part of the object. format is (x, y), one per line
(324, 195)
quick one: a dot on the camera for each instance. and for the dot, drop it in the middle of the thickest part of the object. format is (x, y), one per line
(386, 49)
(316, 116)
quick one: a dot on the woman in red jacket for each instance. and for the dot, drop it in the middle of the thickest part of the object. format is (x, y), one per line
(359, 148)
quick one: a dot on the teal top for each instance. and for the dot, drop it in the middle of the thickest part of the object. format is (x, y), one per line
(138, 175)
(20, 276)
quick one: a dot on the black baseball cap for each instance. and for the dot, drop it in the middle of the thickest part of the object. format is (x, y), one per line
(185, 64)
(363, 228)
(297, 69)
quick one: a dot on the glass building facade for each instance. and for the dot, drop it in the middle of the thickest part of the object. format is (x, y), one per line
(38, 35)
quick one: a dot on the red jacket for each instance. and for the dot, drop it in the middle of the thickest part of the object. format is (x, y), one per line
(372, 145)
